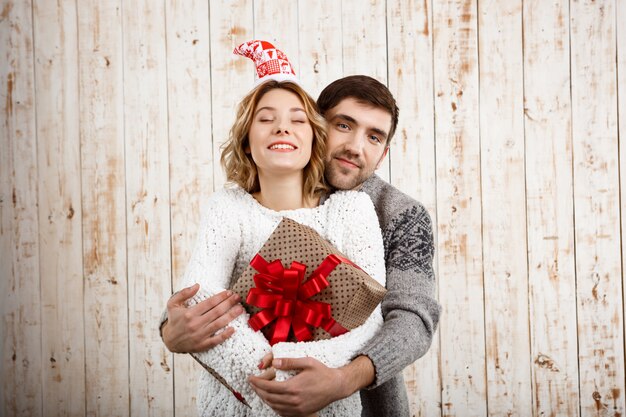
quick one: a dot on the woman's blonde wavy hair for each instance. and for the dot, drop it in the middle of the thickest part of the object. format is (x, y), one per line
(240, 167)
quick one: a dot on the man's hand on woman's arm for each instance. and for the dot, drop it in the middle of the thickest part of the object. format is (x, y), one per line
(314, 387)
(193, 329)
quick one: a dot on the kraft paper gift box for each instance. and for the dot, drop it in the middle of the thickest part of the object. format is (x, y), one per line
(299, 287)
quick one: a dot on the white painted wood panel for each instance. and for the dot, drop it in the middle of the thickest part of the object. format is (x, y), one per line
(320, 57)
(459, 216)
(596, 207)
(410, 50)
(20, 327)
(620, 16)
(505, 269)
(60, 212)
(104, 208)
(550, 210)
(147, 205)
(190, 154)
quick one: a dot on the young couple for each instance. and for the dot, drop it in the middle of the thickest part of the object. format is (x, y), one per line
(287, 162)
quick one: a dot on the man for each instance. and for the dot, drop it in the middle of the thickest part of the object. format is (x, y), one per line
(362, 116)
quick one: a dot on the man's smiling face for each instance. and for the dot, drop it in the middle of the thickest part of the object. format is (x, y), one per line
(357, 142)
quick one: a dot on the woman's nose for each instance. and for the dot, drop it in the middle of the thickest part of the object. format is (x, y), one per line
(282, 129)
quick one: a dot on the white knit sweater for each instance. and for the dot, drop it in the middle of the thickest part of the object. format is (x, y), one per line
(234, 229)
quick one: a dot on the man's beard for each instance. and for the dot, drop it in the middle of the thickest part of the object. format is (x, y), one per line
(343, 178)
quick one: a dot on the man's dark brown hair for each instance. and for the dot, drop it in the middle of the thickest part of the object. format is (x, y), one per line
(363, 89)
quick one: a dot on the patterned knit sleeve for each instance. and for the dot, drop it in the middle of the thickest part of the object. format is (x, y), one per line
(211, 265)
(358, 236)
(410, 309)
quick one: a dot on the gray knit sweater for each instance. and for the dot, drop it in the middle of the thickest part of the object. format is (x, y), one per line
(410, 310)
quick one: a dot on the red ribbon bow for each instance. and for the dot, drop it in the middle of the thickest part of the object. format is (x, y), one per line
(284, 299)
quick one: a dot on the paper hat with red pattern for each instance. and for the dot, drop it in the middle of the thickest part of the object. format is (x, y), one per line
(271, 63)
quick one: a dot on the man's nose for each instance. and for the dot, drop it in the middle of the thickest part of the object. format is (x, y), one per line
(354, 144)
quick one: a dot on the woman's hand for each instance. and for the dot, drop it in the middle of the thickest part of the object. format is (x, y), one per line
(192, 329)
(265, 364)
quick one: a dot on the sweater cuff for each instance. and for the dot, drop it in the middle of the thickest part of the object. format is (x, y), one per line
(382, 358)
(373, 384)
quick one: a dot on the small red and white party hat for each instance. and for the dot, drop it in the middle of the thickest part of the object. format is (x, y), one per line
(271, 63)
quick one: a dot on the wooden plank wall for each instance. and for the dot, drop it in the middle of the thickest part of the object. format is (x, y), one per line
(550, 209)
(112, 115)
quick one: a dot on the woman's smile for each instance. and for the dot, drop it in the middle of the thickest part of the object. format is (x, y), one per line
(282, 147)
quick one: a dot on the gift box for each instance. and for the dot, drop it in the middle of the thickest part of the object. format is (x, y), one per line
(299, 287)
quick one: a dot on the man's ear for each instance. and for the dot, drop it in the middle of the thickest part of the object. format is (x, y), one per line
(380, 161)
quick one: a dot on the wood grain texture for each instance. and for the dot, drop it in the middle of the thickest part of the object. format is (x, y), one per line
(190, 154)
(60, 211)
(412, 154)
(550, 209)
(147, 205)
(20, 327)
(596, 202)
(320, 60)
(503, 202)
(459, 216)
(620, 16)
(410, 51)
(104, 208)
(231, 76)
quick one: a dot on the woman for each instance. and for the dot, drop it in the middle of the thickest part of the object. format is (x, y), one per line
(274, 156)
